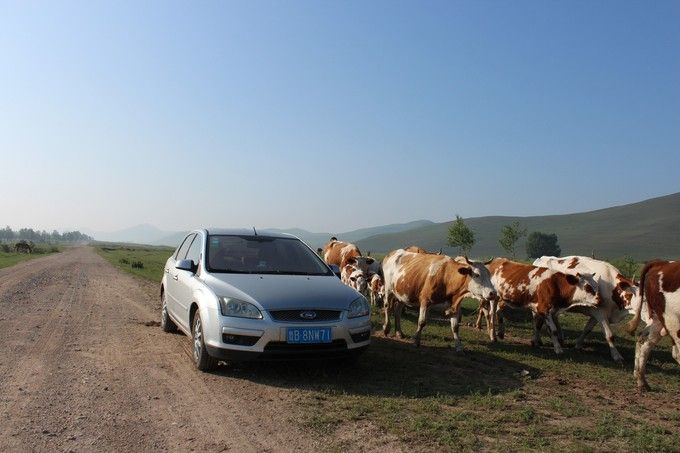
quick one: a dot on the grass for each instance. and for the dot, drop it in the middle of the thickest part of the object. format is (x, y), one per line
(10, 259)
(503, 396)
(144, 261)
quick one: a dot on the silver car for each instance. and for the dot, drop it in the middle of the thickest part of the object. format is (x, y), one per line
(247, 295)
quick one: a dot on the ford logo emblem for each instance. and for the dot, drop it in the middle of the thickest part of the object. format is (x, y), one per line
(308, 314)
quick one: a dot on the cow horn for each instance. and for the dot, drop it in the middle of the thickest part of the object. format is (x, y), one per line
(486, 263)
(468, 261)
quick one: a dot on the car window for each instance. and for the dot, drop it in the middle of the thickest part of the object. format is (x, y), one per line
(262, 255)
(182, 251)
(194, 252)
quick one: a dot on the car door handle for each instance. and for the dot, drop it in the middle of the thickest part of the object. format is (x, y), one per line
(176, 276)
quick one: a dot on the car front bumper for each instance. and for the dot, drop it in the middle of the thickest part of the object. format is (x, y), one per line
(238, 339)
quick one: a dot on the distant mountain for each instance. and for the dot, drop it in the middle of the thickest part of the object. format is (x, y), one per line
(316, 240)
(139, 234)
(149, 234)
(643, 230)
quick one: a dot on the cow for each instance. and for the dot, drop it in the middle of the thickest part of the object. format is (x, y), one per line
(619, 295)
(660, 291)
(377, 290)
(544, 291)
(416, 249)
(343, 253)
(421, 280)
(354, 277)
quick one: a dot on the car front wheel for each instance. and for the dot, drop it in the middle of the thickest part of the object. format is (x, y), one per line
(202, 359)
(167, 324)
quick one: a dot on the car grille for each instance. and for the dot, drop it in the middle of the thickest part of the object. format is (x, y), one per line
(295, 315)
(283, 350)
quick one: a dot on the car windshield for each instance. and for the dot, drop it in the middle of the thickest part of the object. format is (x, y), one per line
(262, 255)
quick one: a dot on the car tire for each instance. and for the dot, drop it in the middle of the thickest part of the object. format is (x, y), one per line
(202, 359)
(167, 324)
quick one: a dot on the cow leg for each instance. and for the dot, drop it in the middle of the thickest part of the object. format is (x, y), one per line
(491, 320)
(387, 307)
(422, 320)
(398, 306)
(647, 339)
(455, 326)
(481, 313)
(608, 335)
(538, 325)
(560, 334)
(550, 322)
(586, 330)
(500, 321)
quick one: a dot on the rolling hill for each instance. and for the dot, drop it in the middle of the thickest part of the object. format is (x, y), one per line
(643, 230)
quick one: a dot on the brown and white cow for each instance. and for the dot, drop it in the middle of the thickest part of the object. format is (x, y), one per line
(417, 249)
(376, 288)
(660, 292)
(544, 291)
(619, 294)
(422, 280)
(354, 277)
(343, 253)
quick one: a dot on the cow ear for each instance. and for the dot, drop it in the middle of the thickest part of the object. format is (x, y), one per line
(624, 284)
(465, 270)
(351, 261)
(353, 279)
(370, 260)
(572, 279)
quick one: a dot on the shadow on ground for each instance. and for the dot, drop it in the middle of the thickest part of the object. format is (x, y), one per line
(394, 368)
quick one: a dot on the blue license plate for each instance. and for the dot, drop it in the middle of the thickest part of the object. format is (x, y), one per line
(308, 335)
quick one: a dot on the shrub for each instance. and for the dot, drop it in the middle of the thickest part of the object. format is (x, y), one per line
(124, 261)
(539, 244)
(137, 265)
(5, 248)
(54, 249)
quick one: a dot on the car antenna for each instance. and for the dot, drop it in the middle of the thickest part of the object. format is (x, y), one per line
(254, 231)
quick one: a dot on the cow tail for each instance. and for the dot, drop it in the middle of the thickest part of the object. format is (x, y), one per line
(635, 322)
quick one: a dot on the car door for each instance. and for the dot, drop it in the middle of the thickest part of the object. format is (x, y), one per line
(172, 281)
(186, 280)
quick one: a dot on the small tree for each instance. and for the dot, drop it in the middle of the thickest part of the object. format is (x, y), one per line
(461, 236)
(539, 244)
(510, 234)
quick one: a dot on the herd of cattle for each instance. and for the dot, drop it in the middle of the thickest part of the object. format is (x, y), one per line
(415, 278)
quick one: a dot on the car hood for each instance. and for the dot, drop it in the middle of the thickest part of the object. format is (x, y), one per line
(280, 292)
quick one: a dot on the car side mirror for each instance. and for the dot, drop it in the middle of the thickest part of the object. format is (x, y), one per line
(335, 269)
(185, 265)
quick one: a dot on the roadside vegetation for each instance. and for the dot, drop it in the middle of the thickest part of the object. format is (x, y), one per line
(144, 261)
(503, 396)
(10, 257)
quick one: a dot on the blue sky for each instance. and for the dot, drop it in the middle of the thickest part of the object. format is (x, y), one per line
(332, 115)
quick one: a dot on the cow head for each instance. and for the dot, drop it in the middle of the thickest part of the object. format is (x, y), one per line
(586, 288)
(358, 281)
(479, 283)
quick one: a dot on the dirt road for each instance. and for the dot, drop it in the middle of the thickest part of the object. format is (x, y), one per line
(81, 370)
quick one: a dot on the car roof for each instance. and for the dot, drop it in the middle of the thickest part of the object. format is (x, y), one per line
(248, 232)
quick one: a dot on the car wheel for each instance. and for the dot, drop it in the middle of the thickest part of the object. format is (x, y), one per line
(167, 324)
(202, 359)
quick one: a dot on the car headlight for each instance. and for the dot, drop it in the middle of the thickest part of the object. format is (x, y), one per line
(359, 307)
(238, 308)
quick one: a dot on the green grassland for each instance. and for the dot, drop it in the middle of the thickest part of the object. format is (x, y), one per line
(11, 258)
(122, 256)
(495, 397)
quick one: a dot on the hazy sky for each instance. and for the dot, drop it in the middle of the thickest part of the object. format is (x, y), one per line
(332, 115)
